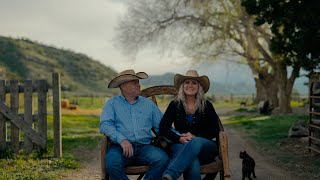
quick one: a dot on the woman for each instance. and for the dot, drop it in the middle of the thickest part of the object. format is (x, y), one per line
(195, 126)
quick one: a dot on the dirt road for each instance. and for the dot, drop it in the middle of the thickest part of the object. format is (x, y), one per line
(265, 169)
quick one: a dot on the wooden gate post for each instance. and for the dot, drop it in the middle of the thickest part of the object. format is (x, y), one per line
(42, 108)
(57, 126)
(14, 104)
(3, 129)
(28, 90)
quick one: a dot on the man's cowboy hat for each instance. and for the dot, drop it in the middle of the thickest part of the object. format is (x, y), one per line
(126, 76)
(192, 74)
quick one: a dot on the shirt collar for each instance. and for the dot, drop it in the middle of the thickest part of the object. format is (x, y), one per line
(124, 99)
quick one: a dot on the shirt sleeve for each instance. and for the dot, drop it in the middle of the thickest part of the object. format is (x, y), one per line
(156, 117)
(107, 123)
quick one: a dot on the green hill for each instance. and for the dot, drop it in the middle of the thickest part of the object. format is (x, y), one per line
(23, 59)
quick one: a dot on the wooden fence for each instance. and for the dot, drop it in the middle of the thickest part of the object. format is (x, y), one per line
(31, 127)
(314, 116)
(25, 121)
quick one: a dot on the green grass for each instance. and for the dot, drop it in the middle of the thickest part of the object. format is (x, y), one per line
(296, 103)
(34, 166)
(264, 129)
(268, 132)
(78, 132)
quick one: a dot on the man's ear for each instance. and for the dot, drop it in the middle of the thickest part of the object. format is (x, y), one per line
(120, 86)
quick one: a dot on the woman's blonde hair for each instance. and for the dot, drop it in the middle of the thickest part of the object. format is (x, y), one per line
(200, 98)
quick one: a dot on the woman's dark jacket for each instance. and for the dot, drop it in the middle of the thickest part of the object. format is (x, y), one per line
(203, 124)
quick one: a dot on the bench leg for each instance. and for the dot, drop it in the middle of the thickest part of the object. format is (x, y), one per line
(141, 176)
(221, 175)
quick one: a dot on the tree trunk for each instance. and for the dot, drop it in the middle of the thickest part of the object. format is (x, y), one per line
(272, 90)
(261, 93)
(266, 87)
(266, 90)
(285, 86)
(284, 100)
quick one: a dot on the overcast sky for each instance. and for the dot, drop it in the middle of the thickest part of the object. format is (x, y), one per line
(84, 26)
(88, 27)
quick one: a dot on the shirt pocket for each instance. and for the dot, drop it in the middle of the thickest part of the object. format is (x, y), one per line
(144, 120)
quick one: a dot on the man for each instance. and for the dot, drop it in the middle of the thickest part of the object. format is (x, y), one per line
(127, 120)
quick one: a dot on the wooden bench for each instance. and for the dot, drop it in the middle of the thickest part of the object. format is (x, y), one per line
(221, 166)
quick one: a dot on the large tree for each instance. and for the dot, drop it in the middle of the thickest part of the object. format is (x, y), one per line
(296, 28)
(209, 30)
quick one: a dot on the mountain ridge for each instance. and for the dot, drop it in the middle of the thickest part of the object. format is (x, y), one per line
(235, 87)
(23, 59)
(215, 87)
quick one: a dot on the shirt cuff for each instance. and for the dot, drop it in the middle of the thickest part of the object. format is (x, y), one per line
(120, 138)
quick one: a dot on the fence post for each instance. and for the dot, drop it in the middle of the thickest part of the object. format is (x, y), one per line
(57, 126)
(231, 98)
(28, 91)
(42, 109)
(14, 104)
(3, 129)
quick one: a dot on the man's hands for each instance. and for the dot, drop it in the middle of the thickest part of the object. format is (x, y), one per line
(185, 137)
(127, 148)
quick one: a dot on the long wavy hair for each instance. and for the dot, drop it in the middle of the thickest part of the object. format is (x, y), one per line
(200, 98)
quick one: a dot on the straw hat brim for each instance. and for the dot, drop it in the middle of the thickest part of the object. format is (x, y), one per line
(117, 81)
(203, 80)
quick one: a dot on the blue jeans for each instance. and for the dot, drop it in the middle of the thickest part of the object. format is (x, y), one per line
(143, 154)
(188, 157)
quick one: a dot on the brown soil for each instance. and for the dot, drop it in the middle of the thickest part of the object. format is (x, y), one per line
(266, 167)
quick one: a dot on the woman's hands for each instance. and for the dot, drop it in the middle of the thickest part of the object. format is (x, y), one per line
(185, 137)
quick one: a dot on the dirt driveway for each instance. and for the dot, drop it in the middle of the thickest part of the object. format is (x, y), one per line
(265, 169)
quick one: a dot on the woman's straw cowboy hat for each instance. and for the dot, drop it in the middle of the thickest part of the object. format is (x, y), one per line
(192, 74)
(126, 76)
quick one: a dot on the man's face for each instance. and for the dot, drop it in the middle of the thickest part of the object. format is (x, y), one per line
(131, 88)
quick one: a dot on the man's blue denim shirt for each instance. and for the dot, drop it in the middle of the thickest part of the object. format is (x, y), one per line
(121, 120)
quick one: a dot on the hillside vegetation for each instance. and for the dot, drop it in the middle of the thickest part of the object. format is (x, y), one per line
(24, 59)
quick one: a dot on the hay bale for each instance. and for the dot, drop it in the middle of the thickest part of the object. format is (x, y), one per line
(65, 103)
(74, 107)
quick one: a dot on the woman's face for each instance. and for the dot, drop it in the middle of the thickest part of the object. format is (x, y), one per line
(190, 87)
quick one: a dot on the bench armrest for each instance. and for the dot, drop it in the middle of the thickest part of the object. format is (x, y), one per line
(103, 148)
(223, 140)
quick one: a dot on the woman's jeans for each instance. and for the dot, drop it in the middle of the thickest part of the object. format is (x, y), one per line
(143, 154)
(188, 157)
